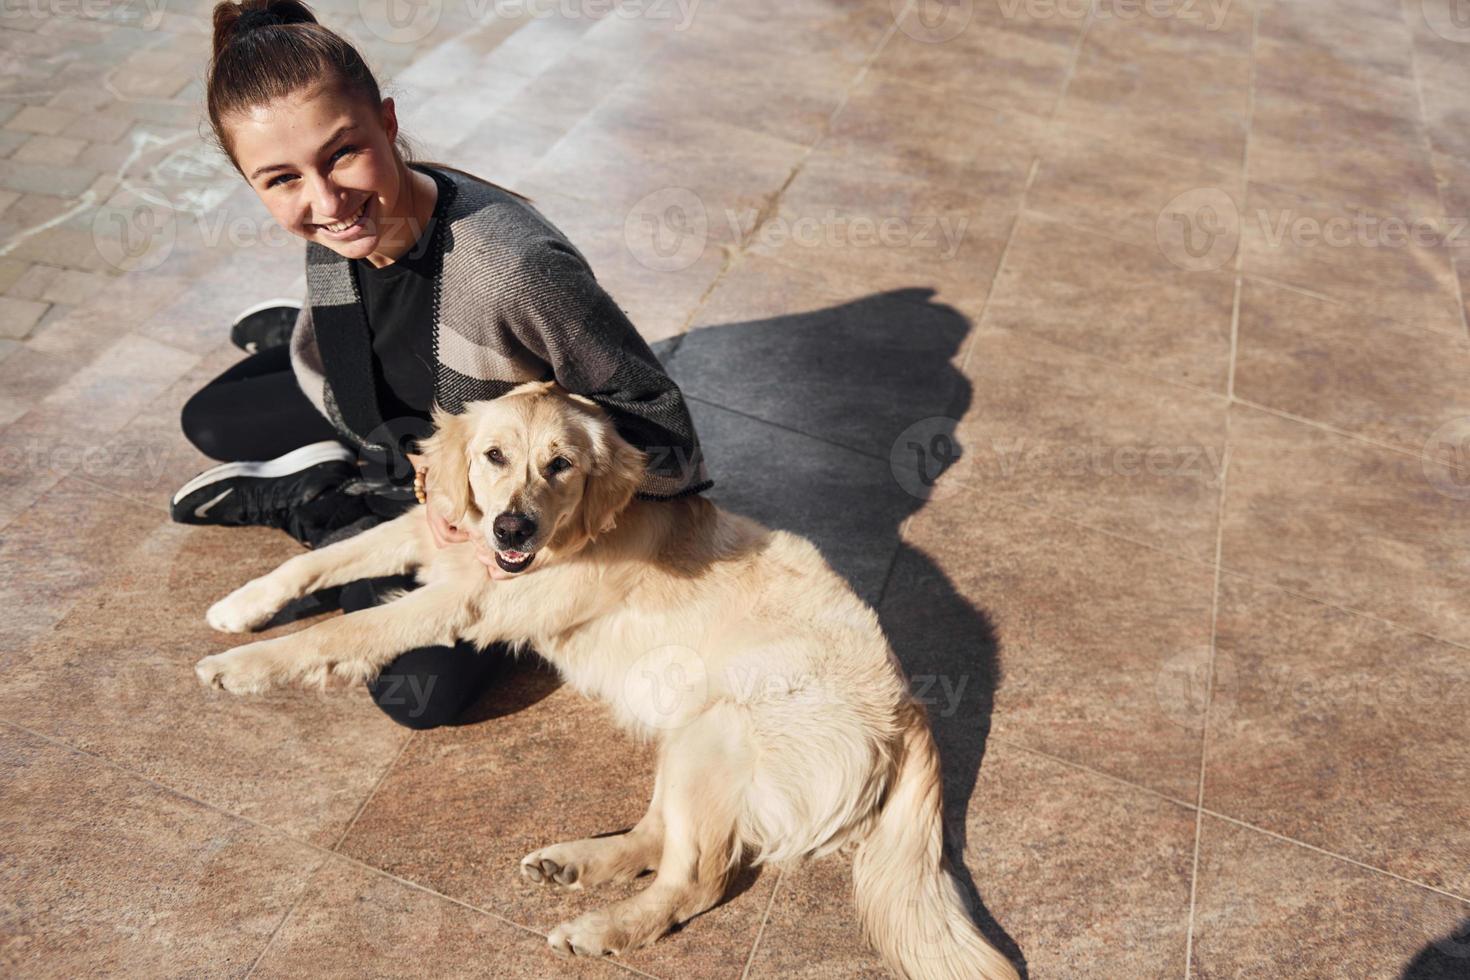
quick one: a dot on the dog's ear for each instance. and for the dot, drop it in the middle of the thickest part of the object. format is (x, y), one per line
(617, 469)
(447, 457)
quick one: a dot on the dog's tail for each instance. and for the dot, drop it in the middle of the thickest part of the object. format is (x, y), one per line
(911, 906)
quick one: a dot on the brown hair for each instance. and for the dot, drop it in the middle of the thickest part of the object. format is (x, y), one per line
(266, 50)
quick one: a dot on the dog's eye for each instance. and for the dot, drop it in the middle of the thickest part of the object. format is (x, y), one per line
(557, 464)
(495, 456)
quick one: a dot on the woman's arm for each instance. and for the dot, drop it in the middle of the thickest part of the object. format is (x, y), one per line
(444, 533)
(569, 321)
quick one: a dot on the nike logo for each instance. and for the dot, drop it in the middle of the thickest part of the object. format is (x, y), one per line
(203, 508)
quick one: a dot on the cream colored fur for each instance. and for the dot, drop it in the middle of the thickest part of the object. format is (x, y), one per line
(785, 725)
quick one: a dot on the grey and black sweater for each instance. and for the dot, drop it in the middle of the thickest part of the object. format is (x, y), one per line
(514, 301)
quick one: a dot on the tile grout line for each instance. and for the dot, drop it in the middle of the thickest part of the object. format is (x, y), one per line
(1133, 244)
(1340, 433)
(1074, 57)
(1092, 771)
(281, 835)
(71, 606)
(1227, 397)
(898, 544)
(1234, 342)
(1407, 325)
(377, 783)
(765, 918)
(1428, 147)
(1000, 263)
(1349, 610)
(271, 939)
(1115, 535)
(735, 252)
(1245, 824)
(1209, 697)
(773, 204)
(1296, 842)
(1072, 62)
(1204, 739)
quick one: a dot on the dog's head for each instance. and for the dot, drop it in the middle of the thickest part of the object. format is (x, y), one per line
(537, 471)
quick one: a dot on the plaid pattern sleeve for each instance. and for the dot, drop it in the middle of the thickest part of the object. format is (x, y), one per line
(570, 322)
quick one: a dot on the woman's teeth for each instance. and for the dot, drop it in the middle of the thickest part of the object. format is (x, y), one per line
(342, 226)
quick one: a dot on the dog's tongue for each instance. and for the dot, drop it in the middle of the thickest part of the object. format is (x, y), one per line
(513, 555)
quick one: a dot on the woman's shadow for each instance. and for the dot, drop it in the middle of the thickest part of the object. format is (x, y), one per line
(834, 424)
(1446, 957)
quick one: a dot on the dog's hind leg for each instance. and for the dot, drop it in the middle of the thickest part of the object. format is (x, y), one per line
(703, 773)
(596, 861)
(391, 548)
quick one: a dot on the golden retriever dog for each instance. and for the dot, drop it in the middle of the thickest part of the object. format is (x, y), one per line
(785, 726)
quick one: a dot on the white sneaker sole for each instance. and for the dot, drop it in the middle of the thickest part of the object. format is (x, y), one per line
(293, 462)
(295, 304)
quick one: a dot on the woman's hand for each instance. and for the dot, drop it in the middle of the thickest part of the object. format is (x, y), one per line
(443, 532)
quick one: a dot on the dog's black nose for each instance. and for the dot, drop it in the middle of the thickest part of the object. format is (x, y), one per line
(513, 530)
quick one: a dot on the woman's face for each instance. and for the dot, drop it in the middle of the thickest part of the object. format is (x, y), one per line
(324, 166)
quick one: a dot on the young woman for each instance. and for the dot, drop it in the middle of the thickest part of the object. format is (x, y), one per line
(425, 285)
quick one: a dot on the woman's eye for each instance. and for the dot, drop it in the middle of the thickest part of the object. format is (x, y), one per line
(557, 465)
(276, 180)
(344, 151)
(495, 456)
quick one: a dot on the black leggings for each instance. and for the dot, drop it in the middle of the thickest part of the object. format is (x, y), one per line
(255, 411)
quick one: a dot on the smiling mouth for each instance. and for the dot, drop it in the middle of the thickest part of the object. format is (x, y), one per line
(514, 561)
(342, 227)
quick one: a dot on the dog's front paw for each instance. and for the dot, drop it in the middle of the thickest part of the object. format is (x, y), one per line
(548, 867)
(593, 934)
(251, 669)
(248, 608)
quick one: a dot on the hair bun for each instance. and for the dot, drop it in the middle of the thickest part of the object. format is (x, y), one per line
(261, 17)
(233, 21)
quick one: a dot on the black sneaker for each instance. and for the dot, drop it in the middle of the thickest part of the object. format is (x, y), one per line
(269, 493)
(265, 325)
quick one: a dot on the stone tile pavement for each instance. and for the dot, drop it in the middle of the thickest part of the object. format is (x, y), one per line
(1114, 351)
